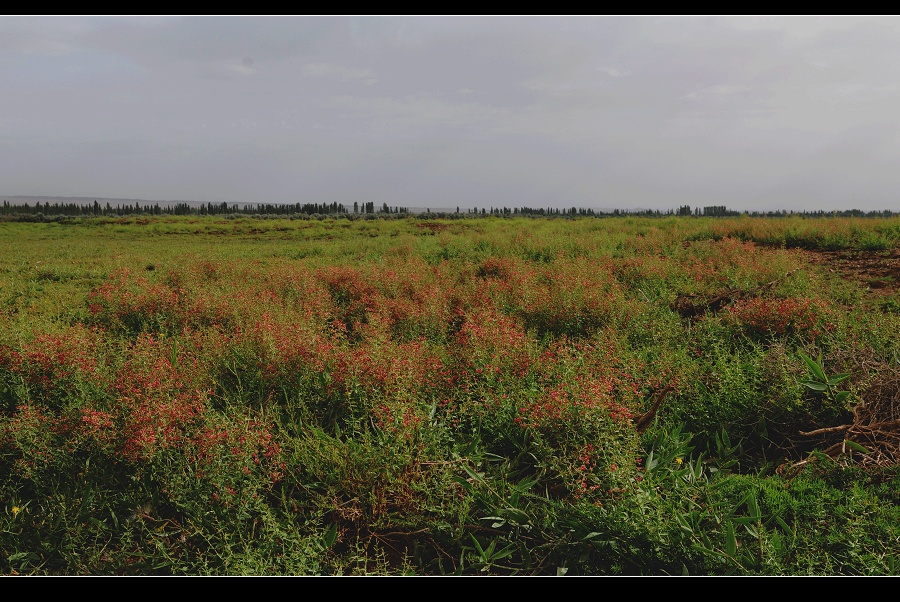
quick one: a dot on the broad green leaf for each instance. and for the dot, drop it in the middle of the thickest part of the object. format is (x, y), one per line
(777, 543)
(814, 385)
(466, 484)
(330, 535)
(820, 455)
(516, 515)
(753, 506)
(489, 552)
(744, 520)
(814, 368)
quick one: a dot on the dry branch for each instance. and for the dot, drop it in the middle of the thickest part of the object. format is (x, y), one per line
(642, 422)
(875, 423)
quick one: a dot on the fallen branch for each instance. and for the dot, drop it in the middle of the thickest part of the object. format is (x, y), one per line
(830, 429)
(642, 422)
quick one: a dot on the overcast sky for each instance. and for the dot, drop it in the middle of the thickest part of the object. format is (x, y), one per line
(603, 112)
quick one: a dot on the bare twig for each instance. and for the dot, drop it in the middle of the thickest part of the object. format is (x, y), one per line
(831, 429)
(642, 422)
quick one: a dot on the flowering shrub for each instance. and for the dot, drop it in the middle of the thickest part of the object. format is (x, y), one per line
(157, 403)
(774, 317)
(574, 299)
(55, 367)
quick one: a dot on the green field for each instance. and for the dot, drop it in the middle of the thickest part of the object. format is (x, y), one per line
(503, 396)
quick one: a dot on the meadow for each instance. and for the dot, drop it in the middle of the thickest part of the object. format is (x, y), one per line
(417, 396)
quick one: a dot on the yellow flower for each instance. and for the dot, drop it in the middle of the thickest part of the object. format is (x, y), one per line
(679, 460)
(15, 511)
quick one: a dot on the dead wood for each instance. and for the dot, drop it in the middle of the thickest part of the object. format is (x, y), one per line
(875, 423)
(642, 422)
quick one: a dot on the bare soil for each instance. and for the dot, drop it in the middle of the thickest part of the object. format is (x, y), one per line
(879, 271)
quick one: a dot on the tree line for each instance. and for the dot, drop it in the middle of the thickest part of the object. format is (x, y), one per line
(47, 209)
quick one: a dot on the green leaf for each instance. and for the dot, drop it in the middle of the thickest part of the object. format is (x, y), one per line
(744, 520)
(784, 526)
(820, 455)
(474, 475)
(856, 446)
(777, 543)
(814, 385)
(730, 540)
(466, 484)
(507, 551)
(814, 368)
(97, 522)
(838, 378)
(842, 396)
(516, 515)
(330, 536)
(753, 506)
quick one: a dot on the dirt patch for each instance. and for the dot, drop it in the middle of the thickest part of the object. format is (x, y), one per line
(879, 271)
(434, 227)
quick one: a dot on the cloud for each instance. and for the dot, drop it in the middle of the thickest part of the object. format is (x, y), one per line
(417, 113)
(340, 73)
(649, 110)
(243, 67)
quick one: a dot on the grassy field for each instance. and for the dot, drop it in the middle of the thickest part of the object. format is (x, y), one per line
(701, 396)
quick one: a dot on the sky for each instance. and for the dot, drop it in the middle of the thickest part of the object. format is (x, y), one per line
(754, 113)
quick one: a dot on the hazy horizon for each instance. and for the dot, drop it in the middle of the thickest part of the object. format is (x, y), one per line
(754, 113)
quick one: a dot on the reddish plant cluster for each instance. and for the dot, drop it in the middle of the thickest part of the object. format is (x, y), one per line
(218, 450)
(29, 437)
(51, 364)
(132, 303)
(589, 465)
(767, 316)
(584, 398)
(157, 404)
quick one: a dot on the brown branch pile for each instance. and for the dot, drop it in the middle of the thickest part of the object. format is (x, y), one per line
(875, 424)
